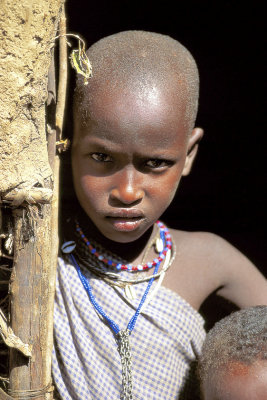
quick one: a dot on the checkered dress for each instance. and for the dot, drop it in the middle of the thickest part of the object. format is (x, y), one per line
(86, 364)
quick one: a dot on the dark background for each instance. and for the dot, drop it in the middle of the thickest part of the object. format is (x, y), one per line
(226, 191)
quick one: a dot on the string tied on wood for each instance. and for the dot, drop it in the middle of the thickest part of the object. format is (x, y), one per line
(31, 393)
(31, 195)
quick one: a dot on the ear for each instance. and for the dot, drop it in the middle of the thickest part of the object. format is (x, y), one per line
(194, 139)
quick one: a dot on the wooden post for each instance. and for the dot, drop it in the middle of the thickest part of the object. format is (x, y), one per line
(32, 283)
(29, 186)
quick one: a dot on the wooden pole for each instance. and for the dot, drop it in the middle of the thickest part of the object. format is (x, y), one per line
(29, 34)
(32, 284)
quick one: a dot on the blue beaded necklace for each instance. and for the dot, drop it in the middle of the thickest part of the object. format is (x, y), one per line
(122, 336)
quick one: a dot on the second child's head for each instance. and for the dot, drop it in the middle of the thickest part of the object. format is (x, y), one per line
(134, 133)
(233, 364)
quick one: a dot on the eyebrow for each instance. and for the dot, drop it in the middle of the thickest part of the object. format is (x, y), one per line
(100, 142)
(112, 147)
(106, 143)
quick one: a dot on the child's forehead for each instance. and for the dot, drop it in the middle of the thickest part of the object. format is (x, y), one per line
(148, 99)
(154, 115)
(237, 380)
(241, 379)
(151, 102)
(240, 369)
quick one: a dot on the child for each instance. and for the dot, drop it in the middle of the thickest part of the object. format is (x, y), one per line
(233, 364)
(120, 329)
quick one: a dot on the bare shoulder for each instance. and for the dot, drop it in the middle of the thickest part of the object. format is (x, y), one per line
(197, 241)
(202, 246)
(205, 263)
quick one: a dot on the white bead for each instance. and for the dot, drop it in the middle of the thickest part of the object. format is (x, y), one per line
(68, 247)
(159, 245)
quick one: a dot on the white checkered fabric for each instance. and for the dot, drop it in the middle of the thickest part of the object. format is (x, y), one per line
(86, 364)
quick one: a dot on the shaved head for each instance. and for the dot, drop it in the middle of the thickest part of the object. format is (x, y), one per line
(139, 63)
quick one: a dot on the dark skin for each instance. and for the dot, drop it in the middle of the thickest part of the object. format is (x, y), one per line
(238, 381)
(127, 162)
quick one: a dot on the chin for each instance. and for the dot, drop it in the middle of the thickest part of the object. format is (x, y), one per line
(123, 237)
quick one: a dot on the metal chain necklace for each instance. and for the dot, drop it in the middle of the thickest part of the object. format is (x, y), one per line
(124, 350)
(123, 336)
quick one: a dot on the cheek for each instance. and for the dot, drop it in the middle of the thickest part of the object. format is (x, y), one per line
(87, 188)
(90, 195)
(164, 189)
(173, 184)
(172, 190)
(92, 188)
(84, 182)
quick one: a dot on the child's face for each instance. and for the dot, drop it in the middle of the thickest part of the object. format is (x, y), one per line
(241, 382)
(128, 160)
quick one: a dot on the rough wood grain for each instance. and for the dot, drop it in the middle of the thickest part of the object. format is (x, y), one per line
(28, 35)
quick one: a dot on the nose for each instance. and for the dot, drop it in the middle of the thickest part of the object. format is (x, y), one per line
(128, 187)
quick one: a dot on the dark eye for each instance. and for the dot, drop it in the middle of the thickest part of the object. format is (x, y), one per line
(101, 157)
(157, 163)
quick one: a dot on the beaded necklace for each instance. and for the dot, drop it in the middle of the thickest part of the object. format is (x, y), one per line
(130, 267)
(123, 335)
(94, 265)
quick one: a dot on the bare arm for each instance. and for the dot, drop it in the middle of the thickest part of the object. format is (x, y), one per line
(242, 282)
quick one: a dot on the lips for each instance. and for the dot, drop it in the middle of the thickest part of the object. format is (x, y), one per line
(126, 213)
(125, 220)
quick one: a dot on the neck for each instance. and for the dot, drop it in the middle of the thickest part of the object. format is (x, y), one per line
(130, 252)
